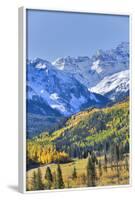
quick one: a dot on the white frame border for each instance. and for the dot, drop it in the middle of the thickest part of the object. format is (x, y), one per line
(22, 97)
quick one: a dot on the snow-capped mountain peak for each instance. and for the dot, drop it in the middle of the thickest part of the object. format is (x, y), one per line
(113, 86)
(89, 71)
(65, 84)
(71, 84)
(68, 62)
(60, 90)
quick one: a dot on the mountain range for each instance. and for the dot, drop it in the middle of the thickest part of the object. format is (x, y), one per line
(68, 85)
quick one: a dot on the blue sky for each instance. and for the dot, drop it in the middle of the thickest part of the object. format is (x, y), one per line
(57, 34)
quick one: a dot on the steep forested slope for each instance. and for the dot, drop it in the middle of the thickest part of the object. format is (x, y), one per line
(94, 129)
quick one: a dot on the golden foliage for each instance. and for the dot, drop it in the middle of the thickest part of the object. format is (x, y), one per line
(45, 154)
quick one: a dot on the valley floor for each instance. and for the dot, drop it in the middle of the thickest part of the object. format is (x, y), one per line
(104, 177)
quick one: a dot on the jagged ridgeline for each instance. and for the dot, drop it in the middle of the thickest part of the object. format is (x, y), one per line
(57, 90)
(95, 129)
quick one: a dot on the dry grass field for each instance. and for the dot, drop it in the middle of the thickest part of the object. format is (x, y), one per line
(109, 177)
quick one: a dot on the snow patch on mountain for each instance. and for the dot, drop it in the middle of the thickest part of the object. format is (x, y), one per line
(96, 67)
(113, 85)
(54, 96)
(41, 66)
(59, 107)
(42, 91)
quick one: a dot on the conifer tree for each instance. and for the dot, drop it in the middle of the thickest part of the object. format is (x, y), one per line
(48, 174)
(35, 183)
(49, 177)
(105, 163)
(126, 164)
(117, 161)
(59, 178)
(112, 155)
(100, 168)
(40, 185)
(91, 172)
(74, 174)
